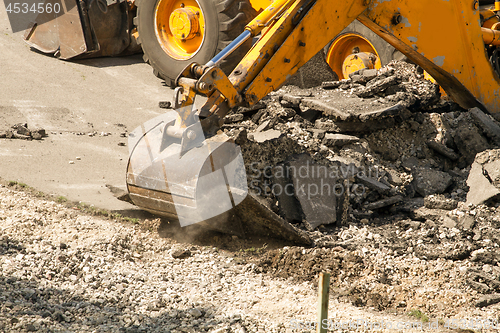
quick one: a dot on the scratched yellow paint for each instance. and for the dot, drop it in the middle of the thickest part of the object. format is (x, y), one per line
(448, 33)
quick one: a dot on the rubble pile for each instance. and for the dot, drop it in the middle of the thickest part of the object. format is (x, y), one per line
(412, 146)
(378, 164)
(21, 131)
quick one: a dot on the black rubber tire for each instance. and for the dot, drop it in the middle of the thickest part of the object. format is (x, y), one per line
(386, 52)
(224, 21)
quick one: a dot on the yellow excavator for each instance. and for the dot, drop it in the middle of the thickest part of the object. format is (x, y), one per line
(182, 165)
(174, 33)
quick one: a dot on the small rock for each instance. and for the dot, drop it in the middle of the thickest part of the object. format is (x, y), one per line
(261, 137)
(181, 254)
(58, 316)
(429, 181)
(439, 202)
(36, 136)
(164, 105)
(339, 140)
(393, 178)
(488, 300)
(31, 328)
(467, 222)
(71, 162)
(196, 313)
(22, 129)
(449, 222)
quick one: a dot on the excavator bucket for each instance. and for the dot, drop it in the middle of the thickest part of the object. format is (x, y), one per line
(205, 182)
(206, 185)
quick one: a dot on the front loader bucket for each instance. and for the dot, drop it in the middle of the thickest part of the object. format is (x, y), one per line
(83, 29)
(206, 185)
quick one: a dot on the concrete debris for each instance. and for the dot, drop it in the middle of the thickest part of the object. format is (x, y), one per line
(318, 192)
(384, 203)
(338, 140)
(21, 131)
(488, 300)
(398, 81)
(266, 135)
(428, 181)
(373, 184)
(440, 202)
(484, 178)
(489, 125)
(401, 151)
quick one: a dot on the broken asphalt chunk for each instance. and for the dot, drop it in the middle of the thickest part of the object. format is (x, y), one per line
(443, 150)
(490, 126)
(373, 184)
(320, 194)
(488, 300)
(428, 181)
(383, 203)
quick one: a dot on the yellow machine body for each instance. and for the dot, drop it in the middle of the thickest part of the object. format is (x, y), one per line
(289, 37)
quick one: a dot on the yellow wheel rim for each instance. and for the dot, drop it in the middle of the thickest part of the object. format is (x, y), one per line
(340, 54)
(180, 27)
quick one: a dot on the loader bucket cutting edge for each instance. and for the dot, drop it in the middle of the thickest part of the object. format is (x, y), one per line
(204, 183)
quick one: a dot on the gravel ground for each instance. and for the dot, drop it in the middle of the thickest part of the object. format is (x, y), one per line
(63, 271)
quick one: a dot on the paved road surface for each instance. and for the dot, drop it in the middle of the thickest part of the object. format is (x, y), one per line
(109, 95)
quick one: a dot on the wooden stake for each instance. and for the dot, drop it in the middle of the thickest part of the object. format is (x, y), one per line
(323, 293)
